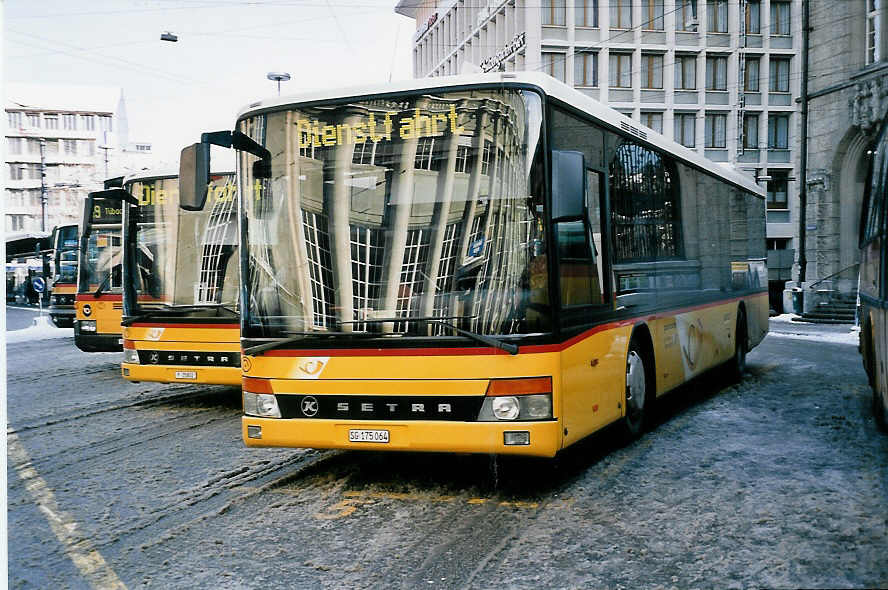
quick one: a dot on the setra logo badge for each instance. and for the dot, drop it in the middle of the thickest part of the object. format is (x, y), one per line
(155, 357)
(310, 406)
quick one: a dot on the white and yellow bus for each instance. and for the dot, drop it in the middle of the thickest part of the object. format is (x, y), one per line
(97, 304)
(485, 264)
(181, 283)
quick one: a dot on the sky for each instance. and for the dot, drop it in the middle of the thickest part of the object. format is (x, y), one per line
(176, 91)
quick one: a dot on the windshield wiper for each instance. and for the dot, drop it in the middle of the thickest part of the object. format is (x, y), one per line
(101, 288)
(298, 337)
(488, 340)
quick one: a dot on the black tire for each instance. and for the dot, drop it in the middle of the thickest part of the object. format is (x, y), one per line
(639, 390)
(880, 411)
(737, 364)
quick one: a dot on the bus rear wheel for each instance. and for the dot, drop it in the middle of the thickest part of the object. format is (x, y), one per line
(638, 391)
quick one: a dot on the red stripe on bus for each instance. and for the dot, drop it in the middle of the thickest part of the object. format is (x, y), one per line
(87, 297)
(164, 325)
(465, 351)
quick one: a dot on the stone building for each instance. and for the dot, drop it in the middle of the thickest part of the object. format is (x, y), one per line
(82, 133)
(719, 76)
(848, 94)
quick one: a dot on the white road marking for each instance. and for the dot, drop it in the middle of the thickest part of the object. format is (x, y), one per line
(78, 548)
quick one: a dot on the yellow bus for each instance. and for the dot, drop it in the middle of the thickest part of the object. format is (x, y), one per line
(180, 276)
(65, 246)
(873, 286)
(484, 264)
(98, 303)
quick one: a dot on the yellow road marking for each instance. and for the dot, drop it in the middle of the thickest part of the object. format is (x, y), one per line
(78, 548)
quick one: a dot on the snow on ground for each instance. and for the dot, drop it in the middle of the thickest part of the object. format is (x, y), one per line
(836, 333)
(41, 330)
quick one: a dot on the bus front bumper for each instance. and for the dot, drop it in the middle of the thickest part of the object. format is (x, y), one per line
(182, 374)
(431, 436)
(92, 342)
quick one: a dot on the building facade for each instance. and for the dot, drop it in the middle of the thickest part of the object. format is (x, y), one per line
(848, 102)
(719, 76)
(64, 140)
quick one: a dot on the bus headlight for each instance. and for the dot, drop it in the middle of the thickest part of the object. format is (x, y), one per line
(130, 355)
(261, 404)
(87, 325)
(505, 408)
(522, 398)
(516, 407)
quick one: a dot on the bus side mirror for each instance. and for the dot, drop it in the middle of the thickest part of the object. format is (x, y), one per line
(568, 185)
(194, 176)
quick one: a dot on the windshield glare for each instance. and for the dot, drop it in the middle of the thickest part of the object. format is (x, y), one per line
(425, 206)
(182, 258)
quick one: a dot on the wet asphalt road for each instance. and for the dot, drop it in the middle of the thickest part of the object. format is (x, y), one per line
(781, 481)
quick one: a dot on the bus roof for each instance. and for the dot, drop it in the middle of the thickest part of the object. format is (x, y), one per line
(549, 85)
(149, 175)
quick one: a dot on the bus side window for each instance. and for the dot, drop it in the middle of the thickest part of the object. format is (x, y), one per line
(579, 243)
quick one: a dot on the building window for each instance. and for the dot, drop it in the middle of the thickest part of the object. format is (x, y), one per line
(779, 74)
(586, 13)
(621, 14)
(425, 154)
(716, 73)
(15, 145)
(685, 72)
(143, 147)
(51, 121)
(778, 132)
(873, 37)
(718, 16)
(777, 189)
(685, 128)
(620, 70)
(586, 69)
(652, 15)
(485, 157)
(69, 122)
(779, 17)
(751, 75)
(553, 64)
(33, 146)
(778, 243)
(89, 122)
(52, 146)
(15, 120)
(750, 132)
(686, 15)
(653, 120)
(554, 12)
(651, 70)
(15, 172)
(34, 120)
(105, 122)
(753, 17)
(716, 130)
(463, 158)
(89, 147)
(34, 171)
(70, 146)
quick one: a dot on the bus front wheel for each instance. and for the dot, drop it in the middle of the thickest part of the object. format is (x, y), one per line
(638, 390)
(738, 361)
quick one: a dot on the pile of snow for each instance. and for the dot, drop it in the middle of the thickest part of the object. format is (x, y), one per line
(41, 330)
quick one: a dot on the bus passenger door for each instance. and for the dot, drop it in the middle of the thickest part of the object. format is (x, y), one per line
(592, 368)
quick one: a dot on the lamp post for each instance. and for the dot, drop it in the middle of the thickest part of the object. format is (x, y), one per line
(278, 77)
(44, 197)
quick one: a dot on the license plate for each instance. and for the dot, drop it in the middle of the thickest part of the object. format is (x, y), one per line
(186, 374)
(368, 436)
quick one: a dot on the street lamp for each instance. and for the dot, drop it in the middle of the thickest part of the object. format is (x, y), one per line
(278, 77)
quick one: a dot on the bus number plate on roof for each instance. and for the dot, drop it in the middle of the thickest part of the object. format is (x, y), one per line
(369, 436)
(186, 374)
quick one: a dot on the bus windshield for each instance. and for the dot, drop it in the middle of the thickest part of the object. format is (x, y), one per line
(177, 258)
(423, 206)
